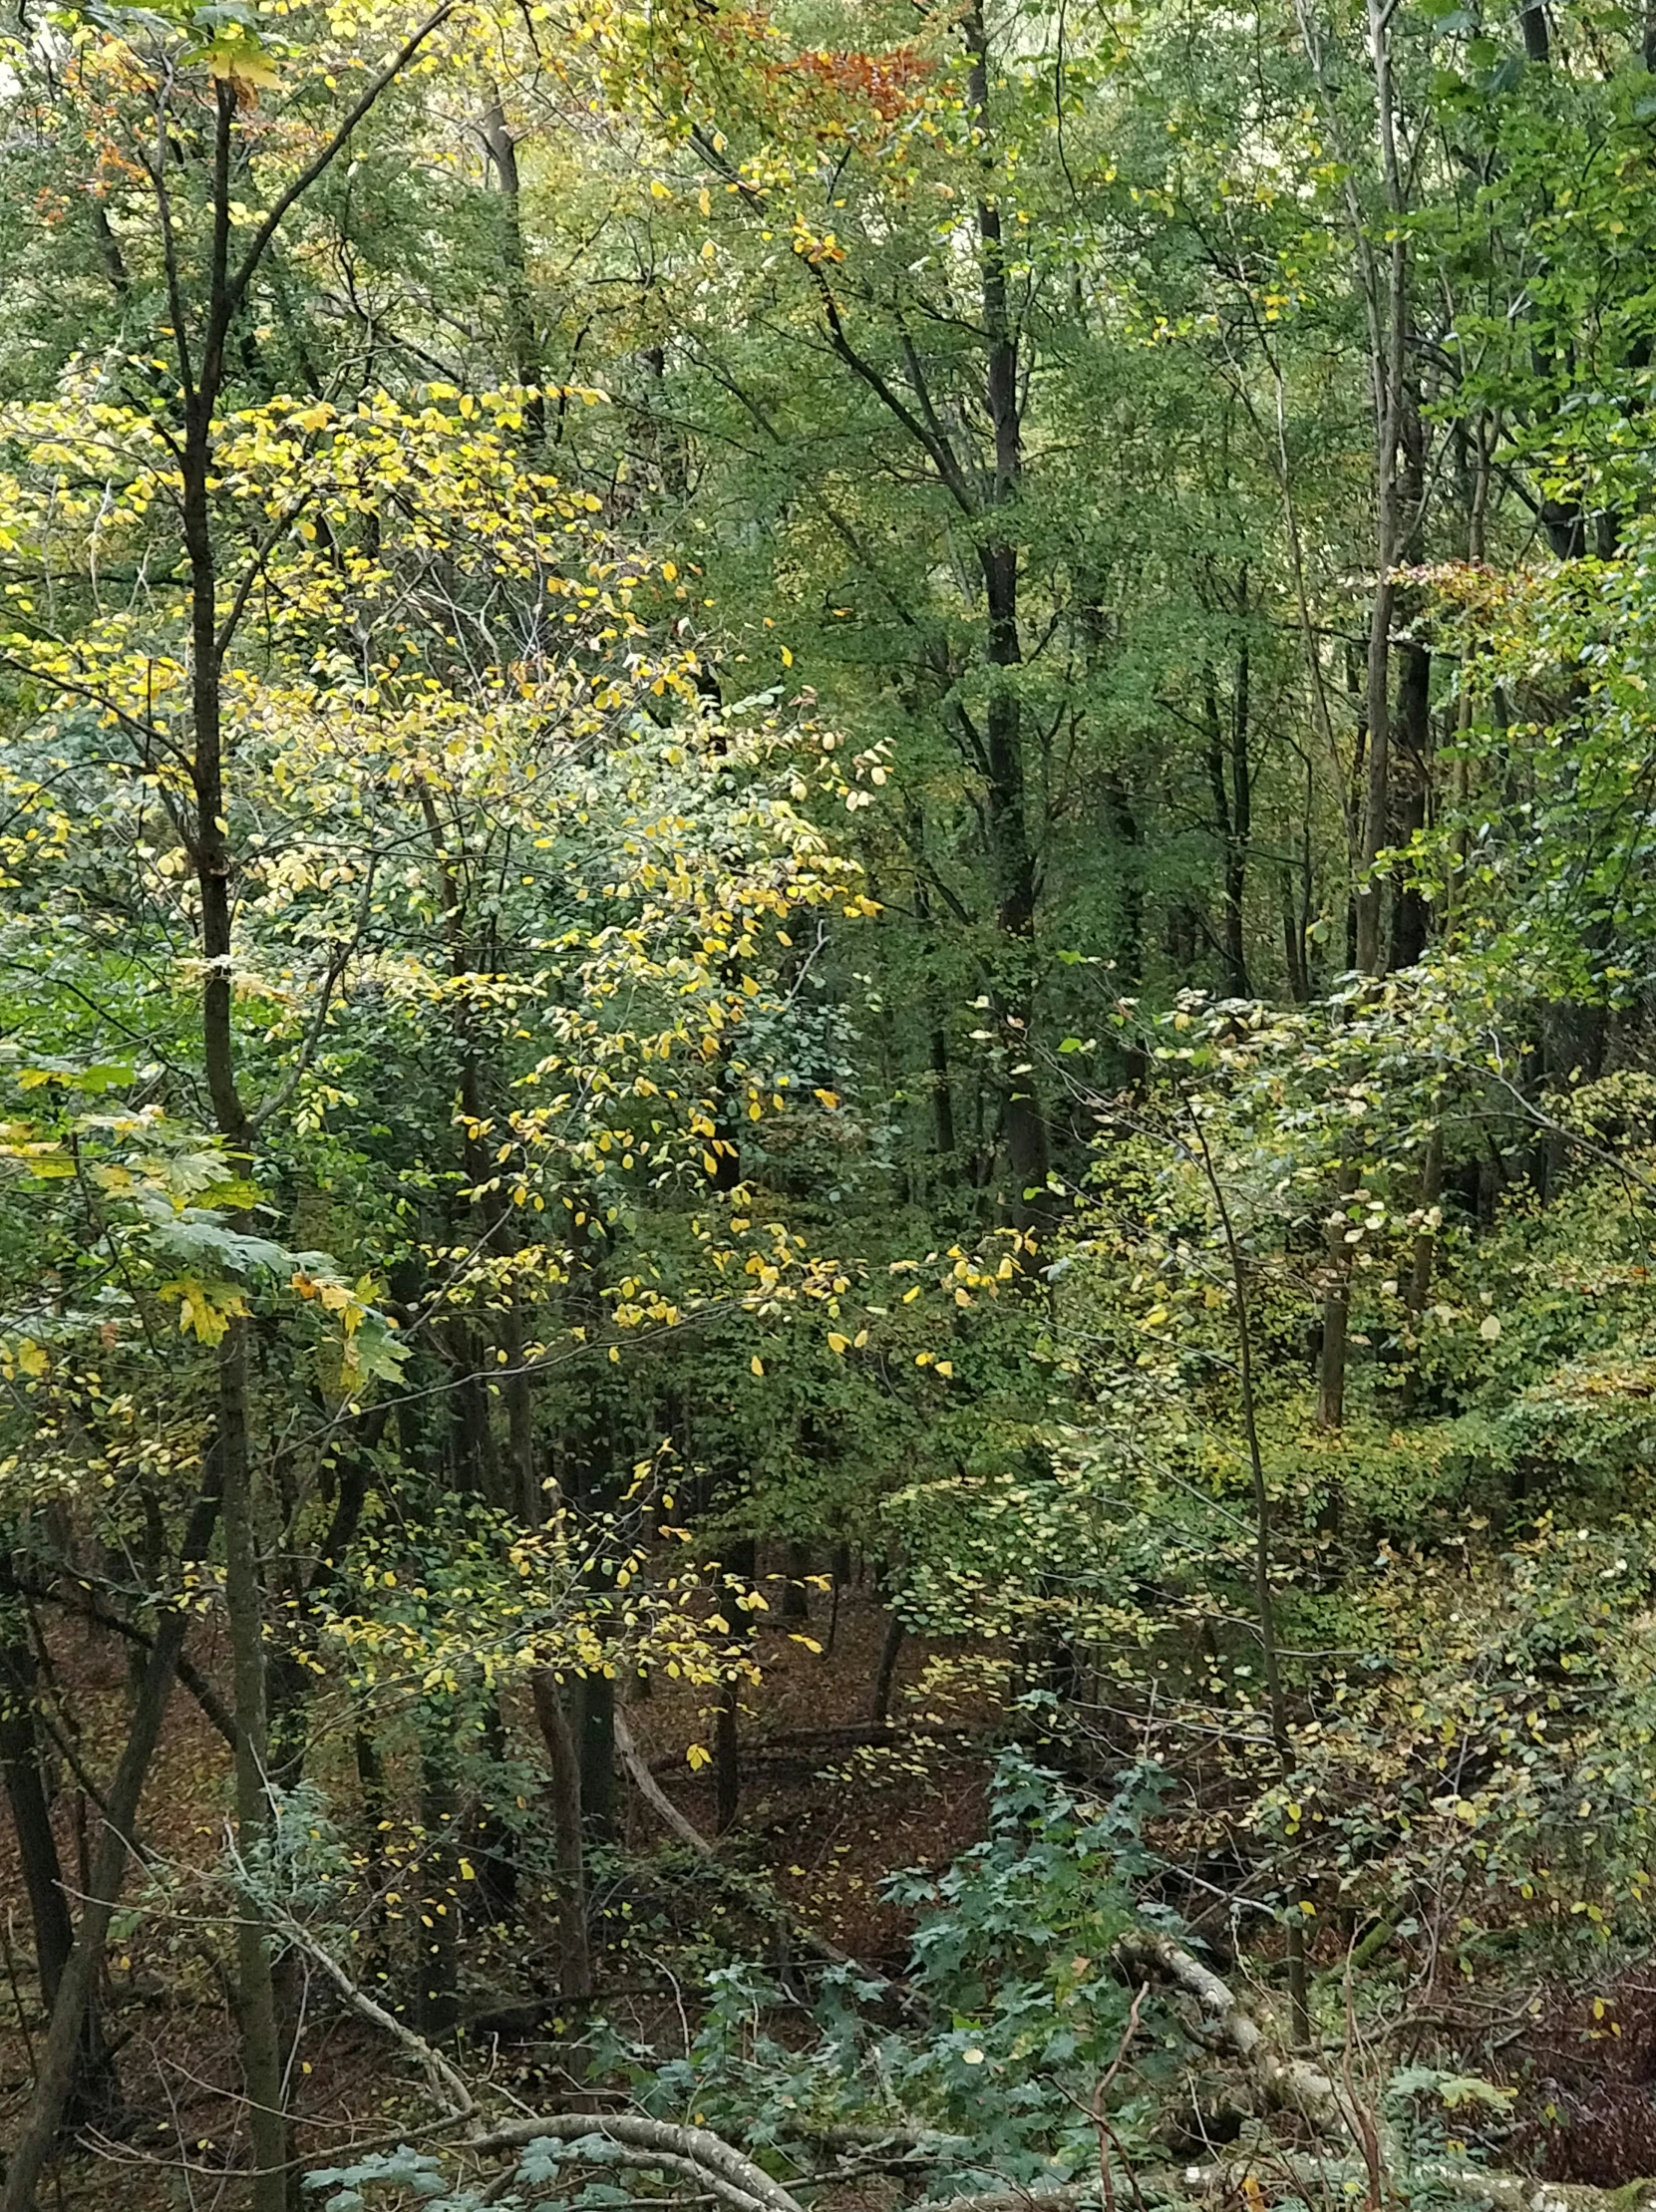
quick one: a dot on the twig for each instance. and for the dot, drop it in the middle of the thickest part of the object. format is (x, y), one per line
(1107, 2134)
(450, 2087)
(17, 1993)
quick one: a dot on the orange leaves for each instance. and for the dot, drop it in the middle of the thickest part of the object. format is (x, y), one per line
(715, 63)
(851, 85)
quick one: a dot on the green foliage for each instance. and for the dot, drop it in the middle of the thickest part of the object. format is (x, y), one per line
(701, 712)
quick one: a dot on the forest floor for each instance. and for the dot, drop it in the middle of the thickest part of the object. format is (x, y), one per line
(831, 1805)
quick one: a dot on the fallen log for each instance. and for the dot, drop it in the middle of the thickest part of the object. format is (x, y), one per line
(1284, 2079)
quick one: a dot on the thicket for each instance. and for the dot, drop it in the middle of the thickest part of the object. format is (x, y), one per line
(806, 805)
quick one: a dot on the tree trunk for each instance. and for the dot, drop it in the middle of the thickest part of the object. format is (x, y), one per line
(274, 2178)
(96, 2089)
(885, 1670)
(1024, 1126)
(1232, 796)
(943, 1095)
(1336, 1310)
(727, 1759)
(436, 1991)
(1410, 912)
(1425, 1251)
(563, 1795)
(521, 333)
(1387, 288)
(726, 1736)
(376, 1872)
(55, 2076)
(1293, 944)
(796, 1589)
(255, 1995)
(595, 1708)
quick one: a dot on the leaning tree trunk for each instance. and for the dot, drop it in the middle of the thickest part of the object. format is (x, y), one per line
(96, 2089)
(55, 2073)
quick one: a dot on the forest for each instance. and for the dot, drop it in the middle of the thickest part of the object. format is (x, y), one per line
(828, 1160)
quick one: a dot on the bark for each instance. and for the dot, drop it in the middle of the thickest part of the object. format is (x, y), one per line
(1264, 1586)
(96, 2089)
(943, 1095)
(1383, 282)
(96, 2084)
(1410, 912)
(565, 1804)
(595, 1709)
(1127, 834)
(796, 1589)
(519, 303)
(1336, 1310)
(527, 1498)
(942, 1091)
(727, 1758)
(274, 2178)
(436, 1993)
(1412, 751)
(372, 1794)
(1293, 944)
(1423, 1256)
(55, 2075)
(657, 2145)
(255, 1992)
(1012, 854)
(31, 1814)
(493, 1843)
(885, 1670)
(1378, 788)
(727, 1735)
(1256, 2041)
(1230, 784)
(1388, 307)
(1426, 1236)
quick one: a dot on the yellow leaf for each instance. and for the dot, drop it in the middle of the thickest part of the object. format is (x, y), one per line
(698, 1757)
(757, 1363)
